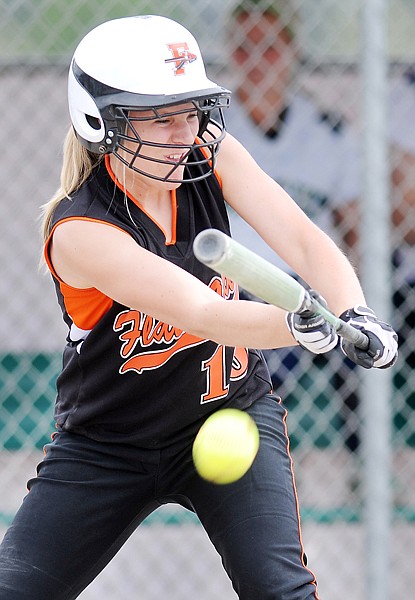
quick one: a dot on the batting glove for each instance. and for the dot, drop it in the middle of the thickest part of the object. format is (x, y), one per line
(312, 331)
(382, 351)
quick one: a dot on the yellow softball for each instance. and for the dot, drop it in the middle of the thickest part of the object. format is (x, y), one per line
(226, 446)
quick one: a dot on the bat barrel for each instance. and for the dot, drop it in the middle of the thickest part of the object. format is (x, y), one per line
(210, 247)
(264, 280)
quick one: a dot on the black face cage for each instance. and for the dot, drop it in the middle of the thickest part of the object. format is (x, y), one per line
(212, 131)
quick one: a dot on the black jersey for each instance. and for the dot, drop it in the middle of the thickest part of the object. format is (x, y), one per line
(126, 376)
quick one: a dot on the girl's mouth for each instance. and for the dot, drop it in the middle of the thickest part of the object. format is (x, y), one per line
(175, 158)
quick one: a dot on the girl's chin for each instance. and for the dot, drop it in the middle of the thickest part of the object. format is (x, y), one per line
(155, 180)
(172, 178)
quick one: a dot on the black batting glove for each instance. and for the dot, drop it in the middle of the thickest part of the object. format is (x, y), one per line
(312, 331)
(382, 351)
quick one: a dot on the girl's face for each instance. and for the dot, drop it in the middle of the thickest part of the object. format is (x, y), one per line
(158, 146)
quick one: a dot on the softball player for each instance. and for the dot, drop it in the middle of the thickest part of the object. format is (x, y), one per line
(156, 341)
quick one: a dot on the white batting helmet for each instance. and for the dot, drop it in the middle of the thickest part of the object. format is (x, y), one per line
(142, 63)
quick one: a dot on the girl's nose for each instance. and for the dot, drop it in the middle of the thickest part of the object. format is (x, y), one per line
(183, 133)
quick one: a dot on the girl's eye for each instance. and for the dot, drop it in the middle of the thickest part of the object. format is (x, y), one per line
(169, 120)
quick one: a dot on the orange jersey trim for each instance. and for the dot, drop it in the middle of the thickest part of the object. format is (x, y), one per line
(173, 198)
(46, 249)
(85, 306)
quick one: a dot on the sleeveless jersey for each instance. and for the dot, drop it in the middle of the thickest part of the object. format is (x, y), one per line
(126, 376)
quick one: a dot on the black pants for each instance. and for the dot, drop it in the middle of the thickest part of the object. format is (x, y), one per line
(89, 497)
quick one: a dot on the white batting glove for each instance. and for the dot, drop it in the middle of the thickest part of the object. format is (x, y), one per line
(382, 351)
(312, 331)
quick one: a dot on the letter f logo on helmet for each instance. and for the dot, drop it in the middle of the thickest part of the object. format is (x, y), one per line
(181, 56)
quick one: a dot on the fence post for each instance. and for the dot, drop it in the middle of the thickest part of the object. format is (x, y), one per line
(376, 275)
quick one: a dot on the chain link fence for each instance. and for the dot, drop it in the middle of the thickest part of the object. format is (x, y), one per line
(319, 161)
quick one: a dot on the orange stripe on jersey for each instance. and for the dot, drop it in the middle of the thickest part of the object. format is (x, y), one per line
(85, 306)
(140, 206)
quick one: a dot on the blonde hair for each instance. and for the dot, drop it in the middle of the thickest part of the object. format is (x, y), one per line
(77, 166)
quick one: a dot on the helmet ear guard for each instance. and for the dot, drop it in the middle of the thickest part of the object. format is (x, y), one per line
(85, 115)
(147, 70)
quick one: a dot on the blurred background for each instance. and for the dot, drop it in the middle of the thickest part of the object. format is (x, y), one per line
(324, 98)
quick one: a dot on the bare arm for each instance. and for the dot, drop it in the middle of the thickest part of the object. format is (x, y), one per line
(87, 254)
(287, 230)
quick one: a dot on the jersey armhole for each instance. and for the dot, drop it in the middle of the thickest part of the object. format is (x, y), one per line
(46, 249)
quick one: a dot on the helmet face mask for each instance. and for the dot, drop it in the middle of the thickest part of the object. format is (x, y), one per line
(109, 93)
(130, 146)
